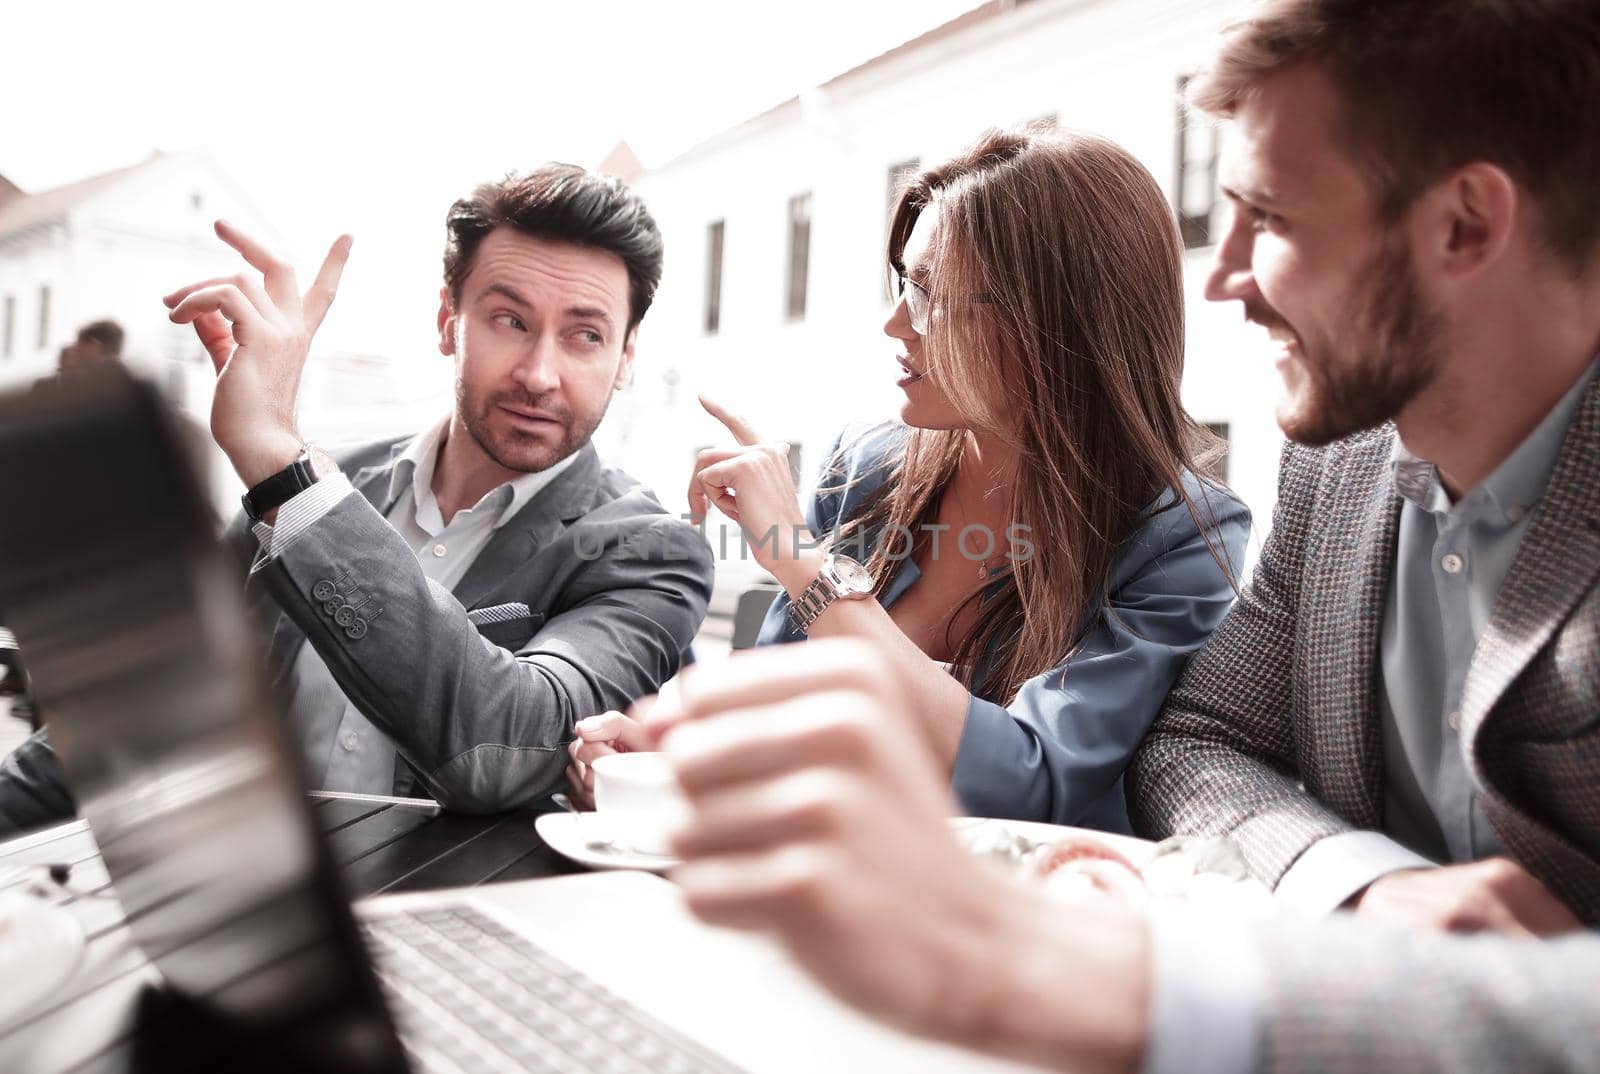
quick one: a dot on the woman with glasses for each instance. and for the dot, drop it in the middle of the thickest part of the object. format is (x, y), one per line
(1034, 539)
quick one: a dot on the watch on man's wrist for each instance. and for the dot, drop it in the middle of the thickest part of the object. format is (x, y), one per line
(312, 466)
(841, 578)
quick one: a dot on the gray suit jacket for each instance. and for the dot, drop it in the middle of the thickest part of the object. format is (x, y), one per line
(583, 601)
(1285, 693)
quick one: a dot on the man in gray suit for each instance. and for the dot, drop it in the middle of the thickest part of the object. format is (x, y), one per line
(444, 608)
(1403, 704)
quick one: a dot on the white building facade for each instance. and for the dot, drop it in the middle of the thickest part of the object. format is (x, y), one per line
(109, 247)
(112, 245)
(774, 293)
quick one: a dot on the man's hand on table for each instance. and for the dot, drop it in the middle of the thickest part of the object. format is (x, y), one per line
(1494, 895)
(817, 813)
(258, 332)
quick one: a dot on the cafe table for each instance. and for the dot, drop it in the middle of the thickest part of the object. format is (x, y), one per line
(380, 844)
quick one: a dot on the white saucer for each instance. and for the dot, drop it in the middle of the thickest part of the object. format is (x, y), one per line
(41, 945)
(566, 835)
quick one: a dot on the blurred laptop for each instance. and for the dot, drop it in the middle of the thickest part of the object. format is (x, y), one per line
(150, 678)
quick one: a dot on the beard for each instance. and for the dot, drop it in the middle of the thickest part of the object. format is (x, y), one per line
(525, 452)
(1389, 355)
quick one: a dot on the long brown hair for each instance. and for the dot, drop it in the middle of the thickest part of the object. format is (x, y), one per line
(1072, 358)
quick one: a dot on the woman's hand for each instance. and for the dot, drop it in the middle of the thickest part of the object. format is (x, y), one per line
(753, 485)
(609, 732)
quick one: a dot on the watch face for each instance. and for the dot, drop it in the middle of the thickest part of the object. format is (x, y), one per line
(853, 577)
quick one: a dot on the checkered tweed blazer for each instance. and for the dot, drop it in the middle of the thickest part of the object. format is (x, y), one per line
(1285, 692)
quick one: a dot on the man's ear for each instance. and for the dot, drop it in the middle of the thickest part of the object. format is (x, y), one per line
(447, 322)
(625, 366)
(1471, 218)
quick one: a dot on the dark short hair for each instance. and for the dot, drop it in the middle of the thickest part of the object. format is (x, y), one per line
(562, 203)
(106, 333)
(1428, 86)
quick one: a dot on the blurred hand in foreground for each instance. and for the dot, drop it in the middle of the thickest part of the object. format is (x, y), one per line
(817, 813)
(1494, 895)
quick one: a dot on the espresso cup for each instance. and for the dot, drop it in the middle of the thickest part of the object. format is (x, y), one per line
(638, 800)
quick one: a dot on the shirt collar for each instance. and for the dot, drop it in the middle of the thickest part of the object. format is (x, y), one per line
(416, 465)
(1519, 480)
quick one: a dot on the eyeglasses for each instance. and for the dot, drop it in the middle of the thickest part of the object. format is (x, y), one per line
(918, 300)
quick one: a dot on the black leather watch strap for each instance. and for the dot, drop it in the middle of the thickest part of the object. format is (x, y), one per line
(279, 489)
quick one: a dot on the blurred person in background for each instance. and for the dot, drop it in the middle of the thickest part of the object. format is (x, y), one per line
(1034, 544)
(98, 343)
(443, 608)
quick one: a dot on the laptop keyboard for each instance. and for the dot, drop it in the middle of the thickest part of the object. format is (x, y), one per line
(471, 995)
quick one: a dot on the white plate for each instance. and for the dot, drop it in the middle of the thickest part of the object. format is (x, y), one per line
(1167, 877)
(573, 836)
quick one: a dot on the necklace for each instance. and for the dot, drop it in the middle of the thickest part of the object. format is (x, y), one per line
(985, 571)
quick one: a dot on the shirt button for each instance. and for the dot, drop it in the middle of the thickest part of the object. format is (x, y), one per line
(350, 742)
(1454, 720)
(1452, 563)
(1514, 513)
(438, 550)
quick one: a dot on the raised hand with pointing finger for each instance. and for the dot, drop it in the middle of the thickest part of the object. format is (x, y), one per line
(258, 330)
(753, 485)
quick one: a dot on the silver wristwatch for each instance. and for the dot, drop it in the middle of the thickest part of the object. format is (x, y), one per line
(841, 578)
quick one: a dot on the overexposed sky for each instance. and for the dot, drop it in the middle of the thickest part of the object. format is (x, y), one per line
(371, 118)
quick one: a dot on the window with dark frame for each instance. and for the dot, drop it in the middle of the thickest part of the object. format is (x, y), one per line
(1224, 431)
(44, 317)
(1194, 189)
(714, 233)
(799, 256)
(8, 341)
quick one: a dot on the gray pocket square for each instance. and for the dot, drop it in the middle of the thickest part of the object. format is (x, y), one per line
(506, 625)
(499, 613)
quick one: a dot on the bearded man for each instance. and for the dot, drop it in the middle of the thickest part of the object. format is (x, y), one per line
(1398, 717)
